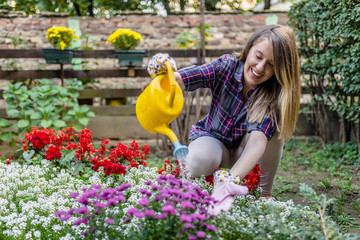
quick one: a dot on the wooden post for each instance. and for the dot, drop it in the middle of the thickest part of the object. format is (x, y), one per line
(62, 74)
(131, 72)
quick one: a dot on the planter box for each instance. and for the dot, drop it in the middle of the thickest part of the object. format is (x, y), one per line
(56, 56)
(130, 58)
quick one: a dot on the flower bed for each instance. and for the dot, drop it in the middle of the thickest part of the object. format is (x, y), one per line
(47, 196)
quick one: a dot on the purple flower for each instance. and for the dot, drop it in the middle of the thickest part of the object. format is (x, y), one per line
(81, 210)
(185, 218)
(211, 227)
(139, 214)
(65, 217)
(148, 182)
(107, 193)
(187, 195)
(109, 221)
(176, 191)
(123, 187)
(192, 237)
(165, 195)
(74, 195)
(149, 212)
(90, 194)
(112, 202)
(155, 187)
(169, 209)
(99, 205)
(174, 182)
(59, 213)
(143, 191)
(144, 202)
(187, 204)
(83, 200)
(85, 232)
(132, 211)
(71, 211)
(96, 186)
(157, 198)
(198, 216)
(120, 198)
(161, 181)
(189, 225)
(200, 234)
(80, 221)
(161, 216)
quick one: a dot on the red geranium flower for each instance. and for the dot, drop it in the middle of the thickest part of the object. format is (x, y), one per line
(52, 153)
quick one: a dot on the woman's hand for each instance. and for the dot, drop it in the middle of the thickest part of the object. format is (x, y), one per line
(156, 65)
(226, 186)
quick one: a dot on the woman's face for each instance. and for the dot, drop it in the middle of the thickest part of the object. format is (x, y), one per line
(259, 64)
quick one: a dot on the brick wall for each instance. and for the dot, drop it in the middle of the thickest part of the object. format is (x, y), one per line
(228, 30)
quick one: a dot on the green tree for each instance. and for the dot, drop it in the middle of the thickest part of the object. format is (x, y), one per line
(109, 7)
(328, 33)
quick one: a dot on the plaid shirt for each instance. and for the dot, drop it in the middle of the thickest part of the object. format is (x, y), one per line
(226, 119)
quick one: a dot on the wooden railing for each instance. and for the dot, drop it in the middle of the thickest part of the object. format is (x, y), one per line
(94, 73)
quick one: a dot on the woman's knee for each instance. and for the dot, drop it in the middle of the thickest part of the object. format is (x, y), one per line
(204, 157)
(199, 164)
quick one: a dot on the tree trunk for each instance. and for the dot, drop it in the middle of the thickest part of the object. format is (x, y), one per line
(77, 9)
(182, 5)
(167, 6)
(267, 4)
(91, 8)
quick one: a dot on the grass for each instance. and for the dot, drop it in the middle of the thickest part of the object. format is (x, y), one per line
(330, 169)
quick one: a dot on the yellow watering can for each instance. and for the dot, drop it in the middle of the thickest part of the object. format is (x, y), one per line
(158, 105)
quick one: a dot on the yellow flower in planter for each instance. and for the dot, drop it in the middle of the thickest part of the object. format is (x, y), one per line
(124, 39)
(61, 37)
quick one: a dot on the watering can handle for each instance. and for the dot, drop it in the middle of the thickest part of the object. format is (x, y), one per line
(172, 82)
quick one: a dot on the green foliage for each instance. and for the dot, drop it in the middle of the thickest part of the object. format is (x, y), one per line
(329, 33)
(45, 105)
(191, 39)
(110, 7)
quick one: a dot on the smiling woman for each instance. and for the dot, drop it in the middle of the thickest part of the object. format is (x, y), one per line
(255, 103)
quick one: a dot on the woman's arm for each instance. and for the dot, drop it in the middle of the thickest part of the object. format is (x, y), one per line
(179, 80)
(254, 149)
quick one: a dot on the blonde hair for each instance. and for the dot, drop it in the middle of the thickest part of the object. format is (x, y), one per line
(278, 97)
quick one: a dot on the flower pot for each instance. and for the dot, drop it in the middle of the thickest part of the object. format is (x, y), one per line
(56, 56)
(86, 101)
(116, 101)
(130, 58)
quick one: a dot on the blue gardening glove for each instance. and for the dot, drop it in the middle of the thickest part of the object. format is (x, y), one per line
(156, 65)
(226, 186)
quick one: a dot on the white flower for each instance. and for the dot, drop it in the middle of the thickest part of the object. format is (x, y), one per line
(37, 234)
